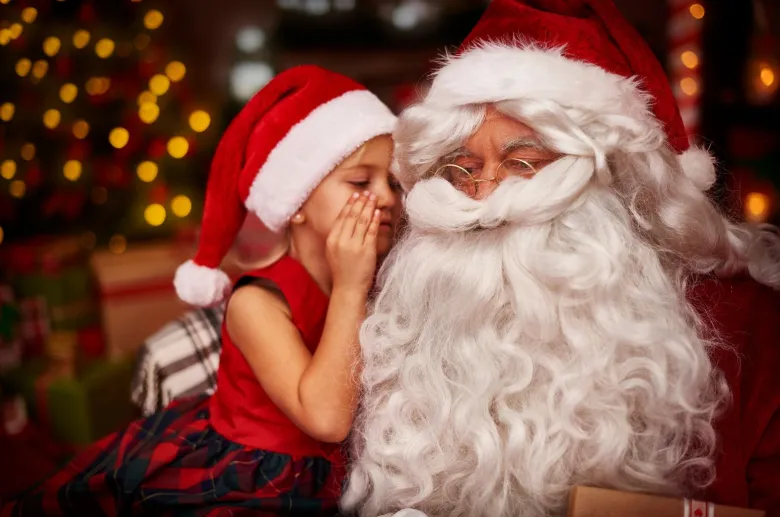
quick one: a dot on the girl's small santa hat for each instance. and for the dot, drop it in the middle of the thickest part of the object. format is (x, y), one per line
(287, 138)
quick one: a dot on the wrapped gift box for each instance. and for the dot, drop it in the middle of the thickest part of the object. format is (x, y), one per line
(598, 502)
(136, 293)
(56, 271)
(137, 296)
(76, 407)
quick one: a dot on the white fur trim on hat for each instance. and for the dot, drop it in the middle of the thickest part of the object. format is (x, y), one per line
(200, 285)
(699, 167)
(492, 72)
(313, 148)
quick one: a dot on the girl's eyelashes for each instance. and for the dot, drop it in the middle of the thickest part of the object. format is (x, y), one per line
(360, 183)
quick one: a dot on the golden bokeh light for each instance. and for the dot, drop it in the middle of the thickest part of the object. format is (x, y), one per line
(154, 214)
(159, 84)
(68, 92)
(756, 207)
(52, 118)
(40, 68)
(51, 46)
(117, 244)
(29, 14)
(81, 38)
(23, 67)
(178, 147)
(147, 171)
(7, 111)
(689, 86)
(27, 152)
(72, 170)
(15, 30)
(8, 169)
(5, 37)
(689, 59)
(200, 121)
(17, 188)
(766, 76)
(175, 71)
(105, 47)
(697, 11)
(153, 19)
(2, 234)
(148, 112)
(119, 137)
(146, 96)
(80, 129)
(98, 85)
(181, 206)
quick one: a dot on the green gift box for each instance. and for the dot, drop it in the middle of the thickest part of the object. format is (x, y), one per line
(57, 270)
(81, 409)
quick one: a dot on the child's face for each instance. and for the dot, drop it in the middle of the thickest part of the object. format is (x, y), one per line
(366, 169)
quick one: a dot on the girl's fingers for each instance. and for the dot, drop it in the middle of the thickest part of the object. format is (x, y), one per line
(341, 221)
(365, 218)
(373, 227)
(351, 221)
(345, 210)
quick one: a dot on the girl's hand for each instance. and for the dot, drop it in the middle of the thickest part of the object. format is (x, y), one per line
(351, 245)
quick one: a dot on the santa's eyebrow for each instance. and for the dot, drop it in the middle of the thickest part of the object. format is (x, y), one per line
(457, 153)
(522, 143)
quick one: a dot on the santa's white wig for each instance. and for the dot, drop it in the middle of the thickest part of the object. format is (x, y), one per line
(541, 338)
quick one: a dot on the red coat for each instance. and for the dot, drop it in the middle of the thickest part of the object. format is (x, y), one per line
(747, 315)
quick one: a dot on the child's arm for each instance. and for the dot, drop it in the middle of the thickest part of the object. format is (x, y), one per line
(317, 392)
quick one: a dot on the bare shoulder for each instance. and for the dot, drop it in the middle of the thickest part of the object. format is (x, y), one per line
(252, 309)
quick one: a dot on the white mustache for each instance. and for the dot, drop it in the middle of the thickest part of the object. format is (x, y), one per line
(435, 205)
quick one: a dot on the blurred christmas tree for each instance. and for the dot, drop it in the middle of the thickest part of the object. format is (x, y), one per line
(99, 130)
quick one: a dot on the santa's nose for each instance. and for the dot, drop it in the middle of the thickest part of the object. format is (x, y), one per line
(485, 189)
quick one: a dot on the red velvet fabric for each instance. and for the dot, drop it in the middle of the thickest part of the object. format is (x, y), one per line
(592, 31)
(747, 317)
(241, 410)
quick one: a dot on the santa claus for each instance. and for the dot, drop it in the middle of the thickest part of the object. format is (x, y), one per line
(568, 306)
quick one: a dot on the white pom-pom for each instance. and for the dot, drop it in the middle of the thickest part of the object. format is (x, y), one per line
(699, 167)
(406, 512)
(200, 285)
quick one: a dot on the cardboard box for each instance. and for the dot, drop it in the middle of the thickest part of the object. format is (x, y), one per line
(136, 294)
(599, 502)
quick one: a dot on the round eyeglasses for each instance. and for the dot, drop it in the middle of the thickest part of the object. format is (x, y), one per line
(464, 180)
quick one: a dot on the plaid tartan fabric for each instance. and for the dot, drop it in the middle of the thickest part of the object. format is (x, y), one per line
(174, 463)
(180, 360)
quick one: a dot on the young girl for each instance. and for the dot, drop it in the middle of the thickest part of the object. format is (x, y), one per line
(309, 155)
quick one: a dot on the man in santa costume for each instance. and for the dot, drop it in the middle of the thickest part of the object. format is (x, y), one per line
(568, 306)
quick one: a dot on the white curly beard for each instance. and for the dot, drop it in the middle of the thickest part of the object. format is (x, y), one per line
(525, 344)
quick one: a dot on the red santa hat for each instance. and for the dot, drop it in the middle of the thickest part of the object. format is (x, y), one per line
(286, 139)
(577, 53)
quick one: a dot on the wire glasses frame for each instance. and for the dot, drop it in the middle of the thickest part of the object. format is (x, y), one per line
(463, 180)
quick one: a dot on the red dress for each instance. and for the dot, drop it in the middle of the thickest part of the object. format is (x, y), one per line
(234, 453)
(747, 317)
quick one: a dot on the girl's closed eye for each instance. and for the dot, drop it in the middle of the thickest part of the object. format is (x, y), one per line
(360, 183)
